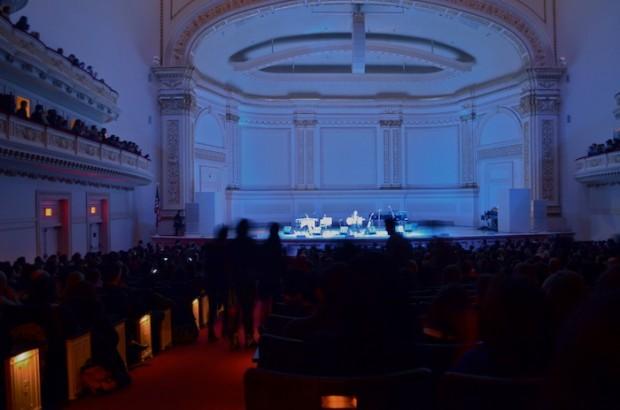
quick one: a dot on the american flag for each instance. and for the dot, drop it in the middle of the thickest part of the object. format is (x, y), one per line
(156, 208)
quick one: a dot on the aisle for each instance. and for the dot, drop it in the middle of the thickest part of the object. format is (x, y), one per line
(200, 376)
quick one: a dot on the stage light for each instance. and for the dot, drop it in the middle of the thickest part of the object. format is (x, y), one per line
(338, 402)
(48, 212)
(93, 210)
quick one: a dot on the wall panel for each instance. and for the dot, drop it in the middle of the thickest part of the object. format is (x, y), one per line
(348, 158)
(432, 156)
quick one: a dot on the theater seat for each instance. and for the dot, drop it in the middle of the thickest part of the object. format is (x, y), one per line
(458, 391)
(269, 390)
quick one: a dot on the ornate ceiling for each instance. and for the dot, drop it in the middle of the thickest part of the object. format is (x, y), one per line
(317, 51)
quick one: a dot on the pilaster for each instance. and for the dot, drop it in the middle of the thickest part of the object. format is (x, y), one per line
(305, 130)
(178, 111)
(540, 111)
(391, 132)
(467, 152)
(232, 140)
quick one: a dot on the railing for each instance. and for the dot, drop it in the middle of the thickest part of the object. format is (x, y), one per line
(65, 149)
(599, 170)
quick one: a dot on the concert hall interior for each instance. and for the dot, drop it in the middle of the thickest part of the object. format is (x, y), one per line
(309, 204)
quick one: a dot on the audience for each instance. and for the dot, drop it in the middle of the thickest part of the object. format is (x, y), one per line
(519, 309)
(51, 118)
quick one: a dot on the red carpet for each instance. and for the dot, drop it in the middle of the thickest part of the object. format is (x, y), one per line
(200, 376)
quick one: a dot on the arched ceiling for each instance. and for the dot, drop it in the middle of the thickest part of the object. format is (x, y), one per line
(314, 51)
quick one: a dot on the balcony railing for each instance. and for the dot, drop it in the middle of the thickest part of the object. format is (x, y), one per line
(34, 150)
(599, 170)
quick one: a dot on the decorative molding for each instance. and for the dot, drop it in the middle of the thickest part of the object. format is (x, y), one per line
(390, 123)
(35, 151)
(305, 123)
(232, 117)
(209, 155)
(533, 104)
(500, 152)
(177, 104)
(541, 54)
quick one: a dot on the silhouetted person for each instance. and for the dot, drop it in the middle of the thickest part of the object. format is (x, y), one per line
(179, 224)
(38, 115)
(244, 258)
(22, 112)
(218, 269)
(397, 247)
(22, 24)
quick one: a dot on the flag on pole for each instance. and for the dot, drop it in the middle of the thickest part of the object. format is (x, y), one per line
(156, 208)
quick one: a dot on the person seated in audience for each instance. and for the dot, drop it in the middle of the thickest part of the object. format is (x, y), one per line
(5, 11)
(7, 294)
(22, 112)
(565, 291)
(82, 311)
(584, 374)
(38, 115)
(451, 318)
(514, 328)
(22, 24)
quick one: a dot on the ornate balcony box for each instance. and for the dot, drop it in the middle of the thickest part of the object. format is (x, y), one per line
(33, 150)
(29, 64)
(599, 170)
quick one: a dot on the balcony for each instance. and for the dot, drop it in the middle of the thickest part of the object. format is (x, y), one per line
(32, 150)
(599, 170)
(27, 64)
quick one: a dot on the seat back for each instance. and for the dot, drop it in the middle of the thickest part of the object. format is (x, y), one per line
(281, 353)
(275, 324)
(458, 391)
(78, 353)
(268, 390)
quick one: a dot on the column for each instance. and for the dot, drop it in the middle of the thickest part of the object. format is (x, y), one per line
(540, 110)
(391, 132)
(178, 111)
(468, 170)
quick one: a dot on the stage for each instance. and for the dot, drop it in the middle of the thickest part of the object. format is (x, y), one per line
(466, 236)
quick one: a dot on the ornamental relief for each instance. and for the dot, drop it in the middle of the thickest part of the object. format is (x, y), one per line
(548, 160)
(532, 104)
(540, 53)
(177, 104)
(28, 134)
(173, 171)
(507, 151)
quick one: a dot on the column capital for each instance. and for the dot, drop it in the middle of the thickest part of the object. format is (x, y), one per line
(175, 79)
(391, 123)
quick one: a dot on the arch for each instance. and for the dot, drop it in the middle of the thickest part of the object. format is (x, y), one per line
(526, 34)
(504, 125)
(208, 130)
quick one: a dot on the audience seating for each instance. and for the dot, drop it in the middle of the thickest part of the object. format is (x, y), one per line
(145, 336)
(78, 353)
(204, 310)
(275, 324)
(270, 390)
(282, 353)
(196, 311)
(23, 380)
(121, 331)
(459, 391)
(165, 331)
